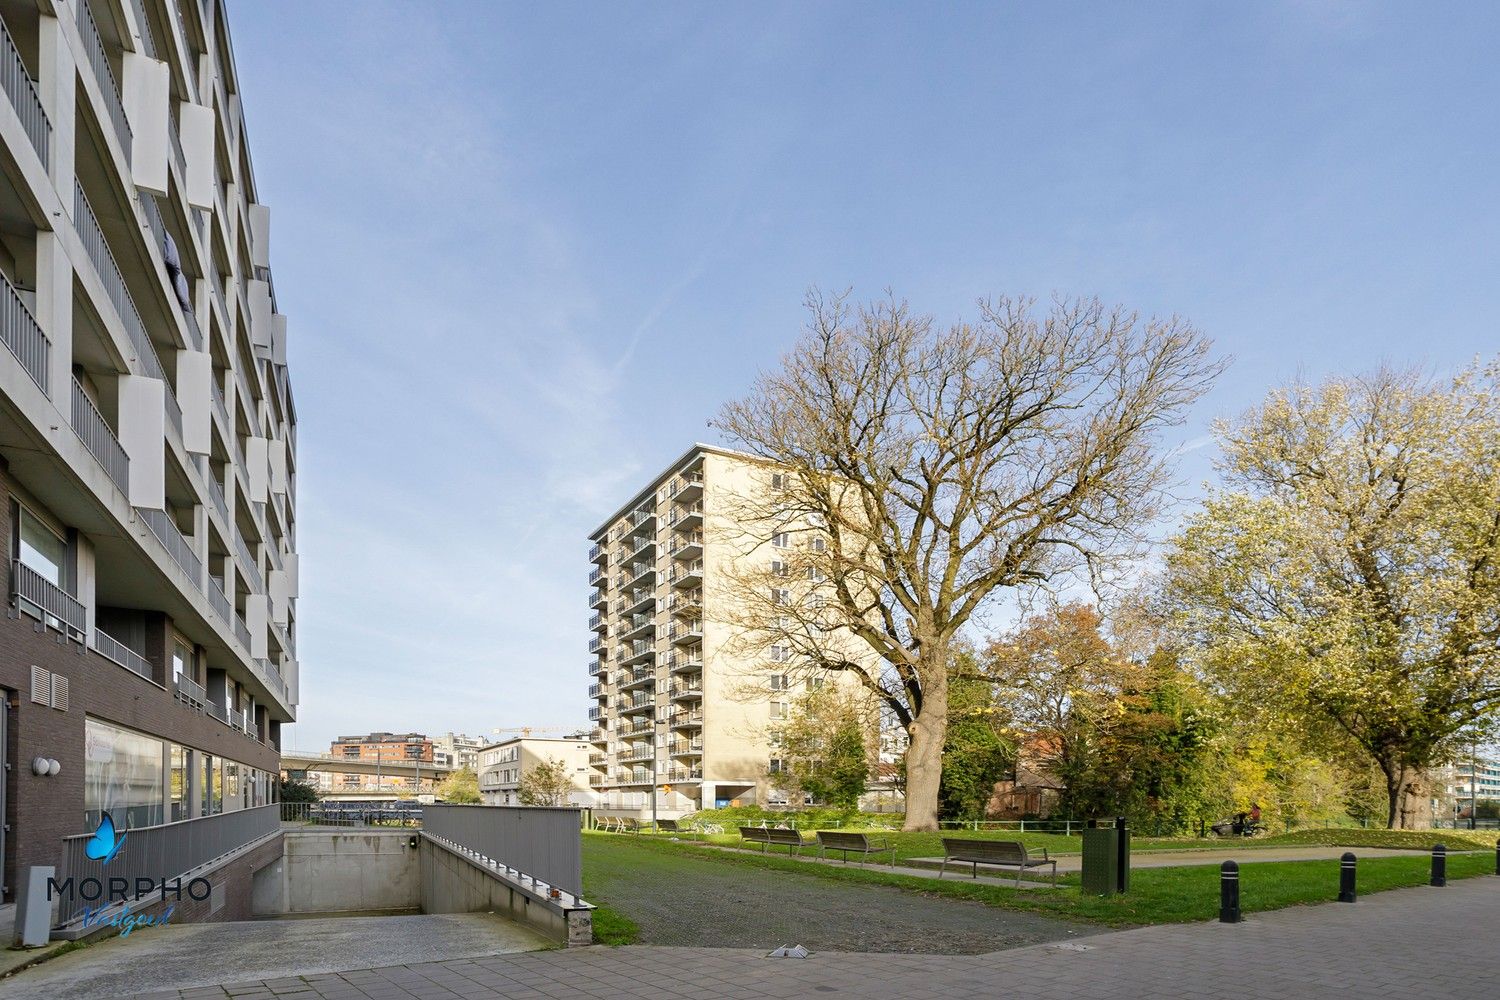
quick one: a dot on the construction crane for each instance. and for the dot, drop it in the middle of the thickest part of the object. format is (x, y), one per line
(528, 730)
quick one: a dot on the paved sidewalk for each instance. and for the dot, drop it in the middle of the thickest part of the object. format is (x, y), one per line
(1411, 943)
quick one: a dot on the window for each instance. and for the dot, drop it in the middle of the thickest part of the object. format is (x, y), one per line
(778, 766)
(820, 544)
(780, 654)
(813, 683)
(779, 568)
(122, 775)
(177, 783)
(210, 791)
(781, 540)
(781, 596)
(814, 574)
(41, 549)
(182, 660)
(233, 797)
(779, 710)
(778, 481)
(779, 682)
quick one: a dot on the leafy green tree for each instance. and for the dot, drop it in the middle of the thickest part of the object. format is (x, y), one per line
(1347, 575)
(546, 783)
(293, 790)
(461, 787)
(976, 754)
(825, 746)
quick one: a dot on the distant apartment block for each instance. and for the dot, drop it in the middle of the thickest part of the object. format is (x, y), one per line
(502, 766)
(148, 435)
(678, 701)
(458, 750)
(384, 746)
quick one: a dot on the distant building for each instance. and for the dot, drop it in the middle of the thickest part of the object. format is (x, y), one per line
(1456, 788)
(501, 766)
(383, 746)
(461, 751)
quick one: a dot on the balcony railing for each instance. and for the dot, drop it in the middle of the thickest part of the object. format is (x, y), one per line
(242, 631)
(248, 563)
(190, 691)
(686, 483)
(59, 608)
(163, 853)
(221, 503)
(111, 648)
(93, 47)
(99, 439)
(598, 553)
(176, 146)
(166, 531)
(21, 90)
(219, 601)
(23, 337)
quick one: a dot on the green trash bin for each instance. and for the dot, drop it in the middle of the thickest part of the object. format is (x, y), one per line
(1101, 861)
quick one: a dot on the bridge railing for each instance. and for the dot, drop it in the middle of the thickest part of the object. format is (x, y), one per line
(540, 842)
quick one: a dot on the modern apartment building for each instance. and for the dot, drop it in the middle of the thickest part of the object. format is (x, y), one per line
(383, 746)
(503, 764)
(460, 751)
(681, 702)
(147, 433)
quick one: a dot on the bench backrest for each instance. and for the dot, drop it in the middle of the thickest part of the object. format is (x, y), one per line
(844, 839)
(670, 825)
(755, 833)
(984, 850)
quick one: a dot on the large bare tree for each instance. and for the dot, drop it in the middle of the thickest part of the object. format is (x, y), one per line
(923, 469)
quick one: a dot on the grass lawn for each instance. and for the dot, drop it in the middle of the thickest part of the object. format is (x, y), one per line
(1157, 895)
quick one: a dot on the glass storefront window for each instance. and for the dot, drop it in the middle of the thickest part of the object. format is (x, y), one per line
(232, 785)
(122, 775)
(177, 782)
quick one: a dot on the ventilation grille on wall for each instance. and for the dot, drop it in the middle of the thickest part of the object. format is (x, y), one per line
(48, 688)
(59, 692)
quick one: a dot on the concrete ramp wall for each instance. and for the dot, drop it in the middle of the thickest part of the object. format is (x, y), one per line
(341, 870)
(453, 881)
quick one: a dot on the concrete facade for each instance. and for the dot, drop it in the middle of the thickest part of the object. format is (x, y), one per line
(678, 678)
(330, 870)
(503, 764)
(147, 429)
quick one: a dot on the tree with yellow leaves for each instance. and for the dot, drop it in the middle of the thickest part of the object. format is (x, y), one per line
(1346, 578)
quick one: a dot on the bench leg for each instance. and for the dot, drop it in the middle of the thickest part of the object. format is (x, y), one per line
(975, 872)
(943, 868)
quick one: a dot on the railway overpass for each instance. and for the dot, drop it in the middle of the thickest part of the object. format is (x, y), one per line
(386, 777)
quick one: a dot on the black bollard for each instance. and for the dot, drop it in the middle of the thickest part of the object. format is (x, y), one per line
(1346, 878)
(1497, 855)
(1439, 865)
(1229, 893)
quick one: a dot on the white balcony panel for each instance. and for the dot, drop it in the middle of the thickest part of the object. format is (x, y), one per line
(257, 615)
(257, 469)
(147, 86)
(280, 589)
(196, 130)
(276, 451)
(195, 373)
(278, 339)
(143, 435)
(260, 235)
(260, 313)
(291, 672)
(293, 573)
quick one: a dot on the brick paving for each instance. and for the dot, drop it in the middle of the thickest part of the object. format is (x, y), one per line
(1410, 943)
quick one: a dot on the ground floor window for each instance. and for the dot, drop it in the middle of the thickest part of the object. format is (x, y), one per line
(177, 782)
(122, 775)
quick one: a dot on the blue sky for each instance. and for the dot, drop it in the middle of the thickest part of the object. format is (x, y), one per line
(527, 251)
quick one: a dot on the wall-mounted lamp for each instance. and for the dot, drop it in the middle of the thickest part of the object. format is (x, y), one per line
(45, 767)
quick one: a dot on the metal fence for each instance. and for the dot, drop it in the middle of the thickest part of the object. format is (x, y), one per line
(99, 438)
(22, 336)
(164, 852)
(542, 842)
(397, 813)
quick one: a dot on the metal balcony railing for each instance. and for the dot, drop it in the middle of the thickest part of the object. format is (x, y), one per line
(21, 90)
(190, 691)
(111, 648)
(166, 531)
(93, 47)
(247, 562)
(58, 607)
(23, 337)
(241, 631)
(99, 439)
(216, 492)
(219, 601)
(691, 480)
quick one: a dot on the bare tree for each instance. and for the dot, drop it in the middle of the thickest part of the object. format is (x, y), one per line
(921, 470)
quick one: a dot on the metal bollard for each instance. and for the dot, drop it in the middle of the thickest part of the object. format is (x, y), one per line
(1439, 865)
(1346, 877)
(1229, 893)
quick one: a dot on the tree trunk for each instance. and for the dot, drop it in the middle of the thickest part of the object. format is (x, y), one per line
(924, 757)
(1395, 791)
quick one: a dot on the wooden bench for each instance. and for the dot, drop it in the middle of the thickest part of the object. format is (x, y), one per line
(669, 826)
(768, 837)
(630, 823)
(1001, 853)
(859, 843)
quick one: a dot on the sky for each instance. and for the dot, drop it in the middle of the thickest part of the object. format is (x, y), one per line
(528, 251)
